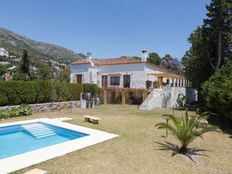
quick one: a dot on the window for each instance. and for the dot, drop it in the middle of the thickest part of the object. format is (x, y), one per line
(126, 81)
(104, 81)
(115, 80)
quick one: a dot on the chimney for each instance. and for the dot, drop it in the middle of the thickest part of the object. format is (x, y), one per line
(144, 55)
(89, 58)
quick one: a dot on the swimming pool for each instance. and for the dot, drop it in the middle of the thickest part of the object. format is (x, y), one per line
(26, 143)
(23, 138)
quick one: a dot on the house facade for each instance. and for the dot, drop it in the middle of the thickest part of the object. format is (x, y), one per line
(124, 72)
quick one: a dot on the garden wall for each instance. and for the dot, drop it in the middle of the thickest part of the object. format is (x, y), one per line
(48, 107)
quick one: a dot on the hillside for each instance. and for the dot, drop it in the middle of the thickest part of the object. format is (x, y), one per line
(15, 43)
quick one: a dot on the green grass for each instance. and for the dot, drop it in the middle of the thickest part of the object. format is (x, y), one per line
(135, 150)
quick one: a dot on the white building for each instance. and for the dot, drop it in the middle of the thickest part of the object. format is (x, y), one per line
(4, 63)
(132, 80)
(4, 52)
(124, 72)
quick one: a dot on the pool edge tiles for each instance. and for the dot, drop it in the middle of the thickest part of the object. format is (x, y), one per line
(14, 163)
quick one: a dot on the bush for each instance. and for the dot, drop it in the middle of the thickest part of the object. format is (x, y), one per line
(217, 91)
(29, 92)
(91, 88)
(181, 100)
(22, 110)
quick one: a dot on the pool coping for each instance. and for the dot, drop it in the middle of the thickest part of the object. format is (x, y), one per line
(27, 159)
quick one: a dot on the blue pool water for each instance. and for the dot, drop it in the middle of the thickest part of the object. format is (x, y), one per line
(23, 138)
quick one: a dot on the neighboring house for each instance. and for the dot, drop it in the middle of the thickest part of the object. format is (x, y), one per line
(4, 63)
(4, 52)
(125, 72)
(12, 68)
(33, 69)
(13, 57)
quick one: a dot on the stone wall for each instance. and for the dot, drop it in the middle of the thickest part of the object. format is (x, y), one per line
(48, 107)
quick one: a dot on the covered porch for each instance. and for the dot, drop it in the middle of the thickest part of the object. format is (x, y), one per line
(122, 95)
(159, 80)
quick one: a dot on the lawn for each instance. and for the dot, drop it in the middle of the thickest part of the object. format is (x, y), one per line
(135, 150)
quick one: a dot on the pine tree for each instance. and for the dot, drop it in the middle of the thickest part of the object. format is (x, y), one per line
(25, 64)
(218, 28)
(211, 44)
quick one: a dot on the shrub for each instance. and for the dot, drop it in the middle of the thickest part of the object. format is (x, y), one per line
(75, 90)
(22, 110)
(217, 91)
(91, 88)
(181, 100)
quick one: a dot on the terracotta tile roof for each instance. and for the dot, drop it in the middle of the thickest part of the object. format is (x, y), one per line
(80, 61)
(121, 60)
(113, 61)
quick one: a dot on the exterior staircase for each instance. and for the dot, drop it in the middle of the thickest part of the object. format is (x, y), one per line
(158, 98)
(38, 130)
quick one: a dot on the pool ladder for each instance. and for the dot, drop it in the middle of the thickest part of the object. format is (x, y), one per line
(38, 130)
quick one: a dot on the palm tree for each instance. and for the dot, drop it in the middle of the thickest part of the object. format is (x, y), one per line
(186, 129)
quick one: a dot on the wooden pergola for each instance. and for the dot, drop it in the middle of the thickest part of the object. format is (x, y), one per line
(122, 91)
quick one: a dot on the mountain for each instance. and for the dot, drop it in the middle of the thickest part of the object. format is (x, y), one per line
(15, 43)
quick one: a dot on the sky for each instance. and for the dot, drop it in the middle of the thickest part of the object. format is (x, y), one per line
(107, 28)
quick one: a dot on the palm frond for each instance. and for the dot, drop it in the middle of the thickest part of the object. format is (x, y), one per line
(185, 128)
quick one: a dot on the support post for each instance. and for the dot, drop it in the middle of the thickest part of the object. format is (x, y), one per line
(144, 95)
(105, 97)
(123, 97)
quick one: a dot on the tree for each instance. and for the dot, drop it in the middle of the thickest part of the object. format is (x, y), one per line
(167, 56)
(196, 65)
(64, 75)
(185, 129)
(218, 92)
(218, 27)
(2, 70)
(25, 63)
(154, 58)
(211, 45)
(44, 72)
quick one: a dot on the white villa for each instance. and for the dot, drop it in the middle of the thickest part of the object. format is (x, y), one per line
(124, 74)
(4, 52)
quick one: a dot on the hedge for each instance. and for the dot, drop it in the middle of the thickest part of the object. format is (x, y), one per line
(217, 92)
(29, 92)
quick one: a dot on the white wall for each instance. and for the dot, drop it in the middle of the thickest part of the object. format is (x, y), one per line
(154, 70)
(175, 91)
(4, 52)
(190, 93)
(135, 70)
(82, 69)
(138, 73)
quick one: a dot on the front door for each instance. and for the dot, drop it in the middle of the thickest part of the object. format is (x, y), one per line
(79, 78)
(126, 81)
